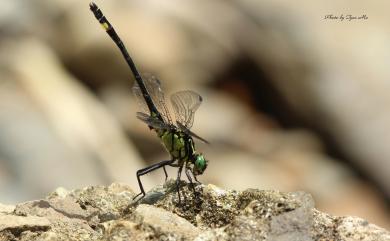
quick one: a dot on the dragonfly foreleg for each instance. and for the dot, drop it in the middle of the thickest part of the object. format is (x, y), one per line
(188, 174)
(148, 169)
(196, 180)
(166, 174)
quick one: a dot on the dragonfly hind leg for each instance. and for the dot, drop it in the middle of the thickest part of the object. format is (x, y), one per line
(178, 183)
(148, 169)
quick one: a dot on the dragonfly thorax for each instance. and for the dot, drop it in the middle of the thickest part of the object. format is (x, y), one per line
(178, 144)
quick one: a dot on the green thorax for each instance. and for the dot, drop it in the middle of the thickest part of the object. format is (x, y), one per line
(177, 143)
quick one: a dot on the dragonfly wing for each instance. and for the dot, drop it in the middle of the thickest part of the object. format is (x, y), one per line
(183, 128)
(140, 99)
(150, 121)
(153, 86)
(185, 103)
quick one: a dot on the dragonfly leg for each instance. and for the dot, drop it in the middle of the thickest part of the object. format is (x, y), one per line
(197, 179)
(166, 174)
(190, 179)
(165, 170)
(146, 170)
(178, 183)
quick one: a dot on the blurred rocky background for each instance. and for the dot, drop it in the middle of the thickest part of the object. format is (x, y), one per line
(292, 101)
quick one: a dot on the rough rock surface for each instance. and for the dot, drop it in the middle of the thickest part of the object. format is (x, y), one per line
(109, 213)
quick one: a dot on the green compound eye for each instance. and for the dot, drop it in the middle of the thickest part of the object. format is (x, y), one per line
(200, 163)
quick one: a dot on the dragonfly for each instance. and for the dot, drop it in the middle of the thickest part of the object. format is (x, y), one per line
(176, 136)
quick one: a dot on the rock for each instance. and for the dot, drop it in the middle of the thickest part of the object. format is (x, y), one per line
(6, 208)
(294, 225)
(167, 222)
(12, 226)
(352, 228)
(31, 222)
(211, 213)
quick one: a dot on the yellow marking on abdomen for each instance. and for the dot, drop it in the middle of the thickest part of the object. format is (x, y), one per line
(105, 26)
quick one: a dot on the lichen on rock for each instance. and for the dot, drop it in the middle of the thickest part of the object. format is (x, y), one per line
(211, 213)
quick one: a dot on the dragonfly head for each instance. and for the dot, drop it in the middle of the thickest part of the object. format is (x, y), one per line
(200, 164)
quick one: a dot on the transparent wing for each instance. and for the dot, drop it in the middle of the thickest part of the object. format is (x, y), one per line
(153, 86)
(183, 128)
(153, 122)
(185, 103)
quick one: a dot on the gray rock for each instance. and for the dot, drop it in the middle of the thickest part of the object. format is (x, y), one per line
(211, 213)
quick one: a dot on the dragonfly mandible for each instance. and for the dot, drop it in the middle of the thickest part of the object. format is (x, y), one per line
(176, 136)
